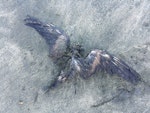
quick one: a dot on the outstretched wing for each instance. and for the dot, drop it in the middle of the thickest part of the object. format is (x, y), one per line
(101, 60)
(57, 40)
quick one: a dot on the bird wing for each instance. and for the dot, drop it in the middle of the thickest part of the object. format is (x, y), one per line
(57, 40)
(102, 60)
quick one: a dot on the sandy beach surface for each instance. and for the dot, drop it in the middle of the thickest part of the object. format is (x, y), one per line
(122, 27)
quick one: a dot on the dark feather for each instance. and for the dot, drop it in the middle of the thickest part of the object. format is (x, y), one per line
(101, 60)
(57, 40)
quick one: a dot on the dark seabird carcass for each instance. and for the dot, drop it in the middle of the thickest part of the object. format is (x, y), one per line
(96, 60)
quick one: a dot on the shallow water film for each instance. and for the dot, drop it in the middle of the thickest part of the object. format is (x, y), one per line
(122, 27)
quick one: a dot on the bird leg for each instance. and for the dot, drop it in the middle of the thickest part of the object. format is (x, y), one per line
(58, 80)
(62, 77)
